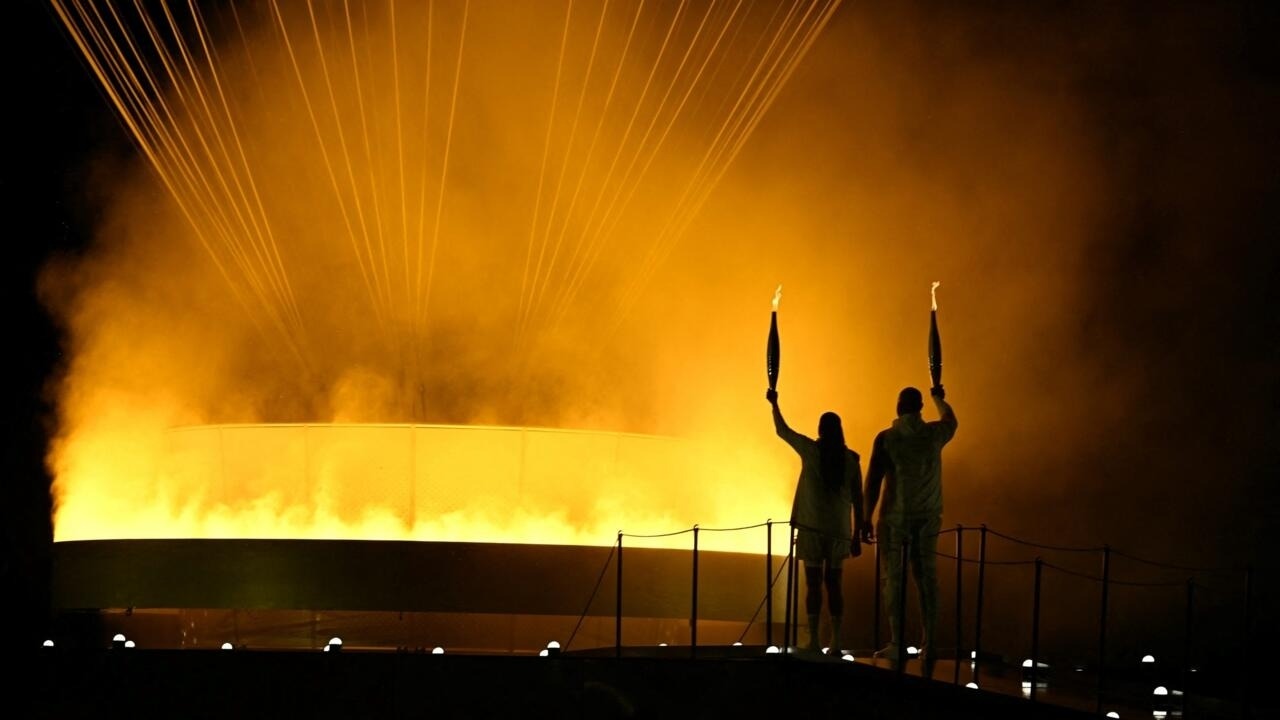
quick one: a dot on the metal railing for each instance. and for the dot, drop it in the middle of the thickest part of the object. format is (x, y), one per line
(1104, 580)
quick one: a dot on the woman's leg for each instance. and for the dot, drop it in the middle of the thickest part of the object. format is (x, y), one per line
(835, 603)
(813, 599)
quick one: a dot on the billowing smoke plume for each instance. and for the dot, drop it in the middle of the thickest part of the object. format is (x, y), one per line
(400, 285)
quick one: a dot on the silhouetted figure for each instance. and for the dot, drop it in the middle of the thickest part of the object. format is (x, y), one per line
(830, 484)
(908, 458)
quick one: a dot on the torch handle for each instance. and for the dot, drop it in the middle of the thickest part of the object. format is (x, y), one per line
(935, 350)
(773, 357)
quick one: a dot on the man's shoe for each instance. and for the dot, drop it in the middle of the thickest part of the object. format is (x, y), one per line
(890, 653)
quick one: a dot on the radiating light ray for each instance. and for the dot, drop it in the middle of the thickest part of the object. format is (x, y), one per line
(422, 199)
(230, 237)
(382, 292)
(635, 114)
(542, 173)
(560, 304)
(738, 126)
(222, 165)
(276, 263)
(444, 164)
(564, 166)
(329, 170)
(395, 84)
(374, 191)
(247, 50)
(126, 107)
(595, 136)
(809, 37)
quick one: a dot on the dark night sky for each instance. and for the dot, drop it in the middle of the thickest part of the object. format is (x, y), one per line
(1182, 304)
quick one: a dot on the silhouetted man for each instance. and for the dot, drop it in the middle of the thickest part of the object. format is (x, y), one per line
(908, 458)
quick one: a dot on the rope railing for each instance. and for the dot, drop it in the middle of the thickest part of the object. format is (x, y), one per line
(773, 577)
(1175, 566)
(1059, 548)
(974, 561)
(735, 529)
(651, 536)
(772, 584)
(963, 528)
(604, 569)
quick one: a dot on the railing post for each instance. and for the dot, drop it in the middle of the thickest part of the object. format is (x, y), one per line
(1035, 632)
(1246, 666)
(1186, 652)
(768, 583)
(982, 578)
(795, 610)
(693, 617)
(876, 592)
(617, 631)
(959, 599)
(902, 606)
(786, 613)
(1102, 627)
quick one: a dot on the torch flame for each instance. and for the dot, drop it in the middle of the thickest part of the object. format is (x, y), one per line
(777, 295)
(933, 293)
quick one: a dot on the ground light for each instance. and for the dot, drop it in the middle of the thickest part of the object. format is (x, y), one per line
(1030, 674)
(1113, 714)
(334, 645)
(117, 641)
(48, 643)
(1163, 699)
(771, 650)
(228, 646)
(972, 685)
(437, 650)
(1148, 658)
(847, 656)
(130, 644)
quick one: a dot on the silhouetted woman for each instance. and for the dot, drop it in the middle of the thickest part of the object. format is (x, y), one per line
(830, 485)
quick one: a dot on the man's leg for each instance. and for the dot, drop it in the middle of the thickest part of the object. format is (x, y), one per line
(890, 540)
(924, 566)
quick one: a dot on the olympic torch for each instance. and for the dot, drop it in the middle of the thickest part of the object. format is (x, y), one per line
(935, 342)
(774, 354)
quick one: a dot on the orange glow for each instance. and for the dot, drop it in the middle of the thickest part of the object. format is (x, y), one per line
(358, 214)
(457, 218)
(422, 482)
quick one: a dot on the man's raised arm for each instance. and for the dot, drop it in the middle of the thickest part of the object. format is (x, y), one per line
(946, 415)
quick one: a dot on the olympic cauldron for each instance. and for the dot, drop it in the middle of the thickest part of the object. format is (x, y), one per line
(473, 538)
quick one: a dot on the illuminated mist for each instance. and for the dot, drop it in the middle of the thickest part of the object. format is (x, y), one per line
(579, 225)
(412, 213)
